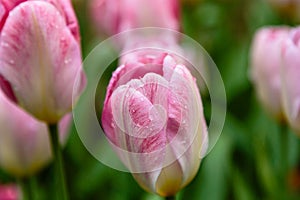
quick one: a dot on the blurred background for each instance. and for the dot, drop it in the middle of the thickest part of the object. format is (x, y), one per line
(248, 159)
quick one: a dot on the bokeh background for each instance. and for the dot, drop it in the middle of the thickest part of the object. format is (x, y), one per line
(251, 154)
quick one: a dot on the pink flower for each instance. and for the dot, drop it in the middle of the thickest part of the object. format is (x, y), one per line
(40, 55)
(265, 67)
(153, 116)
(24, 141)
(9, 192)
(290, 74)
(114, 16)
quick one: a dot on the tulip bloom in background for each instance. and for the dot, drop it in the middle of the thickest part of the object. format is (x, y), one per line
(265, 67)
(24, 141)
(290, 74)
(40, 55)
(114, 16)
(40, 60)
(9, 192)
(153, 111)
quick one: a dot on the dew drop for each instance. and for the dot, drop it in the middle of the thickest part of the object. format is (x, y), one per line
(12, 62)
(67, 61)
(112, 125)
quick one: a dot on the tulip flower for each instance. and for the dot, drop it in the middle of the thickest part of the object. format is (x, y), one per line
(265, 67)
(9, 192)
(24, 141)
(40, 56)
(114, 16)
(153, 116)
(290, 74)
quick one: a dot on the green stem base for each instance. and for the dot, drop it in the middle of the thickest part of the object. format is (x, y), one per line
(26, 188)
(59, 187)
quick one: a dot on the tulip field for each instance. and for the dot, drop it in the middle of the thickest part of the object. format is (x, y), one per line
(149, 99)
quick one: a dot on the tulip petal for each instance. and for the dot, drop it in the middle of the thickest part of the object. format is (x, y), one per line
(65, 8)
(41, 66)
(290, 72)
(24, 148)
(2, 15)
(6, 88)
(265, 72)
(190, 131)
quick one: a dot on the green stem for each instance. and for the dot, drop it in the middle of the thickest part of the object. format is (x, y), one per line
(60, 183)
(25, 187)
(284, 137)
(171, 198)
(284, 151)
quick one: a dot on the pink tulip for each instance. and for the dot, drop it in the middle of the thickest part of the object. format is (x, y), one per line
(290, 74)
(9, 192)
(114, 16)
(24, 141)
(40, 55)
(265, 67)
(153, 115)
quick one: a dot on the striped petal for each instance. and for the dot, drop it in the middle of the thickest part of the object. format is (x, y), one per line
(41, 66)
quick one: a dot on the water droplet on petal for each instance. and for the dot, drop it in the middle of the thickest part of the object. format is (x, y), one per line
(12, 62)
(67, 61)
(112, 125)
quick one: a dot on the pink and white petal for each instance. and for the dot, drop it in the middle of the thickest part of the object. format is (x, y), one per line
(41, 66)
(6, 88)
(290, 72)
(190, 135)
(67, 11)
(24, 148)
(64, 128)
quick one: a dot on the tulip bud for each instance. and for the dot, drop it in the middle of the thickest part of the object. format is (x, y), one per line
(9, 192)
(290, 74)
(40, 56)
(153, 115)
(265, 67)
(114, 16)
(24, 141)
